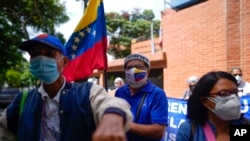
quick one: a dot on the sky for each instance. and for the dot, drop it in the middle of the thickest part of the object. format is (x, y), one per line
(75, 10)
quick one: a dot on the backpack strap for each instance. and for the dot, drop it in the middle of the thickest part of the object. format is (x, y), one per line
(24, 96)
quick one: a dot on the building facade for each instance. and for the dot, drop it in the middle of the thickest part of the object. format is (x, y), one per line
(212, 35)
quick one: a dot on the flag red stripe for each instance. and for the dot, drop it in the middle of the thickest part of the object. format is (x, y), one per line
(92, 58)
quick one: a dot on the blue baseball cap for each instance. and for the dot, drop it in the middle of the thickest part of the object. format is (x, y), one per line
(47, 39)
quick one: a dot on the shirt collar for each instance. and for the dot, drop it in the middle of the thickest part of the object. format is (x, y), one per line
(44, 94)
(147, 87)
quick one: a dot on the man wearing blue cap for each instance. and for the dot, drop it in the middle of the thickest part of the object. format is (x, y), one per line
(148, 102)
(62, 111)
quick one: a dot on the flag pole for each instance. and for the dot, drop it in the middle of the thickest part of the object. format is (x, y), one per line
(105, 58)
(152, 37)
(105, 76)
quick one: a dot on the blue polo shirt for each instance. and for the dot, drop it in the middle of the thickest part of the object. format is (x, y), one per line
(154, 109)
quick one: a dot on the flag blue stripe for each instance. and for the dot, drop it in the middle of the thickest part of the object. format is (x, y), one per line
(88, 41)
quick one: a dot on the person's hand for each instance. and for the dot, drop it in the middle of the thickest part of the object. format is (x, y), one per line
(110, 129)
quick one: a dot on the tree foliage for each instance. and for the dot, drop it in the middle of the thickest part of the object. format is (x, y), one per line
(19, 19)
(19, 76)
(125, 27)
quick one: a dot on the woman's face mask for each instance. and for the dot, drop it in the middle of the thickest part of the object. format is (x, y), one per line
(45, 69)
(226, 107)
(136, 78)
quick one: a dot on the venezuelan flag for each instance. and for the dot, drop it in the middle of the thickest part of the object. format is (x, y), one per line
(87, 46)
(139, 75)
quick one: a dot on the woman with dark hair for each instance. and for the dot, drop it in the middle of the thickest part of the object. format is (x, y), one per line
(213, 106)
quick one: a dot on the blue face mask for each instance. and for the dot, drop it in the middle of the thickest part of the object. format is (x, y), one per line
(44, 68)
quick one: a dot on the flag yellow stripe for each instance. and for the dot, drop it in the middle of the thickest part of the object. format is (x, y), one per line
(89, 16)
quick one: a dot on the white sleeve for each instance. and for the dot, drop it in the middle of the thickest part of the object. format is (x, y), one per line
(246, 89)
(100, 100)
(5, 134)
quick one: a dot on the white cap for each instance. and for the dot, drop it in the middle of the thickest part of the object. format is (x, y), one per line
(137, 56)
(118, 79)
(192, 80)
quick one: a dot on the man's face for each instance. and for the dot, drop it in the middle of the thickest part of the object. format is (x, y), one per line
(236, 72)
(44, 50)
(191, 87)
(118, 84)
(136, 73)
(47, 51)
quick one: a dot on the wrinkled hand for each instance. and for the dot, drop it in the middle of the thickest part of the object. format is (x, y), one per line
(110, 129)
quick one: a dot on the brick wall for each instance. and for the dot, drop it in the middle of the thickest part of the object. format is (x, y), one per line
(245, 37)
(144, 47)
(213, 35)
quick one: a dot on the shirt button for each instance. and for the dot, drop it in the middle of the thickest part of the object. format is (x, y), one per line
(61, 111)
(63, 92)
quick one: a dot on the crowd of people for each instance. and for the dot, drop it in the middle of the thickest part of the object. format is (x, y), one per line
(57, 110)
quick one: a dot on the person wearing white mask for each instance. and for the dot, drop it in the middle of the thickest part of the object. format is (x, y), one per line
(213, 106)
(148, 102)
(243, 86)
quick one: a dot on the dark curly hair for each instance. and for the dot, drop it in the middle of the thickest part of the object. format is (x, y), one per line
(196, 112)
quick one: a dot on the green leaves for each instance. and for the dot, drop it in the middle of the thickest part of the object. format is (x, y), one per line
(134, 25)
(19, 19)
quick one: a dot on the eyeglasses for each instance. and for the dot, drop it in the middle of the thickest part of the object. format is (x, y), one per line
(237, 74)
(226, 92)
(135, 66)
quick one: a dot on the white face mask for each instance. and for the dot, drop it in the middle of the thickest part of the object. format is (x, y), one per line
(238, 78)
(136, 78)
(226, 107)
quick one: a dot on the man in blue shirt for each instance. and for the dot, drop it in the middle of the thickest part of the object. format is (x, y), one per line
(148, 102)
